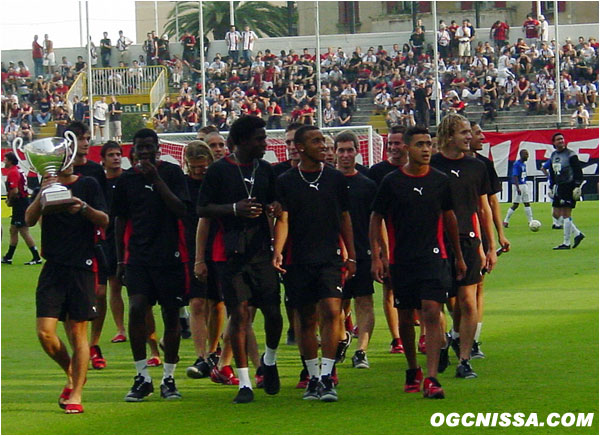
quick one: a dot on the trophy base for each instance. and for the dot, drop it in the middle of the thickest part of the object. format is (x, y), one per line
(56, 201)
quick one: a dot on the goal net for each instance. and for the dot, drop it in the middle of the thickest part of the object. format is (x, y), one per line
(172, 145)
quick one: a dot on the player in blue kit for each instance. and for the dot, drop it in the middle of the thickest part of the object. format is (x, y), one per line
(520, 188)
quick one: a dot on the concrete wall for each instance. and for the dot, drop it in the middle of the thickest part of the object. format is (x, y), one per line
(348, 42)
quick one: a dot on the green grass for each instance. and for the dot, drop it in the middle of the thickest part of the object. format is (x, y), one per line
(540, 335)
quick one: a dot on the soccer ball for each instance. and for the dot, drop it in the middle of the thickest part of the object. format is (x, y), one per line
(535, 225)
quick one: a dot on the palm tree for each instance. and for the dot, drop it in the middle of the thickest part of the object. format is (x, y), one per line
(262, 17)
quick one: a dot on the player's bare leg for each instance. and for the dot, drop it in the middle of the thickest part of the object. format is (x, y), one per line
(54, 347)
(467, 301)
(365, 320)
(117, 307)
(407, 333)
(150, 333)
(98, 322)
(216, 322)
(430, 318)
(391, 316)
(80, 359)
(198, 319)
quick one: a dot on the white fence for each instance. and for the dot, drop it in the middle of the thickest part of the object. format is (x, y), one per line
(126, 81)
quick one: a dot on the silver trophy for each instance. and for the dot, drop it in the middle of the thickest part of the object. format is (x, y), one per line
(48, 157)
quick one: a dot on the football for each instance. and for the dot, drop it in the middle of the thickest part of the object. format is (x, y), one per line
(535, 225)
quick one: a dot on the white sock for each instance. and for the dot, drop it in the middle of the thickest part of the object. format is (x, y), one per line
(529, 213)
(168, 370)
(312, 366)
(574, 228)
(567, 231)
(454, 334)
(509, 213)
(142, 369)
(244, 378)
(555, 221)
(327, 366)
(478, 331)
(270, 357)
(561, 220)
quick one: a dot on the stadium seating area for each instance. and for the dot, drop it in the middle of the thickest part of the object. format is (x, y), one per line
(380, 86)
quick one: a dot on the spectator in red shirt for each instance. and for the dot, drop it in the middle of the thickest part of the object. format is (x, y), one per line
(37, 53)
(500, 34)
(275, 113)
(531, 27)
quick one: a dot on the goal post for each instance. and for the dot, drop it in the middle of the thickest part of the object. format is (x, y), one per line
(370, 144)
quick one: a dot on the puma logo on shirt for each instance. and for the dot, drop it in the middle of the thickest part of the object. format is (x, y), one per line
(455, 172)
(419, 190)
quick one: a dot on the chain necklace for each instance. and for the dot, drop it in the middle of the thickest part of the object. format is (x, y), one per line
(246, 180)
(314, 184)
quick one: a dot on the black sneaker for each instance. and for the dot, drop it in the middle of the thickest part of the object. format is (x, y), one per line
(359, 360)
(464, 370)
(271, 381)
(244, 395)
(455, 344)
(291, 337)
(168, 390)
(444, 357)
(327, 390)
(39, 261)
(578, 240)
(556, 227)
(212, 360)
(200, 369)
(312, 390)
(340, 354)
(476, 352)
(562, 247)
(140, 389)
(7, 261)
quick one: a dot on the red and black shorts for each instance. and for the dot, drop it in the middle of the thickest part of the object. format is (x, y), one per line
(307, 284)
(417, 281)
(64, 291)
(362, 283)
(166, 285)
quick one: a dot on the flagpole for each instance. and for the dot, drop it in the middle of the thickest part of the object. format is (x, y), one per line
(201, 36)
(89, 71)
(318, 68)
(436, 66)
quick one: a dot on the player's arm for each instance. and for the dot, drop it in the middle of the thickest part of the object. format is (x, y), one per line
(497, 217)
(451, 227)
(95, 216)
(280, 237)
(348, 238)
(515, 180)
(120, 224)
(12, 196)
(173, 203)
(577, 170)
(200, 268)
(34, 211)
(485, 212)
(379, 261)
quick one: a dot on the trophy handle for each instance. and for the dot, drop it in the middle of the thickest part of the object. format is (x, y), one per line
(73, 152)
(17, 147)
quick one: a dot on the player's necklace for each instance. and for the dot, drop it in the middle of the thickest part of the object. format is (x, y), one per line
(245, 180)
(314, 184)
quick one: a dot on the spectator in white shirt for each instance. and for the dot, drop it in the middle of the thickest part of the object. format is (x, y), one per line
(232, 39)
(248, 40)
(581, 116)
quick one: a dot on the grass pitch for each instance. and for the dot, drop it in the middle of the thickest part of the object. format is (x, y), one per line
(540, 336)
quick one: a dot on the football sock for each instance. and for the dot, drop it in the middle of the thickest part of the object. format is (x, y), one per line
(11, 251)
(529, 214)
(326, 366)
(244, 378)
(168, 370)
(567, 231)
(454, 334)
(509, 213)
(312, 365)
(478, 331)
(561, 220)
(574, 228)
(142, 369)
(35, 253)
(270, 357)
(555, 221)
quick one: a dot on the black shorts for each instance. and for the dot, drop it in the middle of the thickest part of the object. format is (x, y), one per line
(18, 213)
(308, 283)
(166, 285)
(470, 251)
(211, 289)
(427, 280)
(564, 196)
(362, 283)
(110, 269)
(256, 282)
(66, 291)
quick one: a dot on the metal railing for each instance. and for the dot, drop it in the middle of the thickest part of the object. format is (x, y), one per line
(78, 89)
(158, 91)
(126, 80)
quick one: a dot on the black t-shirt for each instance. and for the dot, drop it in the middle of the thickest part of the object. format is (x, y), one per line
(468, 181)
(154, 234)
(223, 184)
(114, 106)
(378, 171)
(282, 167)
(103, 49)
(315, 214)
(412, 208)
(495, 185)
(68, 239)
(92, 169)
(45, 106)
(109, 192)
(362, 169)
(362, 192)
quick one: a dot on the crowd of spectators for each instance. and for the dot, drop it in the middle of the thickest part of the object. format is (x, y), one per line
(498, 73)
